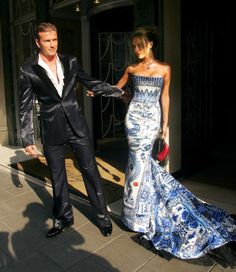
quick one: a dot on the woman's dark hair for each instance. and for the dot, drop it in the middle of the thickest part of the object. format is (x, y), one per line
(45, 27)
(147, 35)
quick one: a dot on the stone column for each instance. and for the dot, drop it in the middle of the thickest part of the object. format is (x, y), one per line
(3, 119)
(6, 80)
(172, 55)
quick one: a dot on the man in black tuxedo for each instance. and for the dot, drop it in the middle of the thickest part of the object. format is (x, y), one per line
(51, 77)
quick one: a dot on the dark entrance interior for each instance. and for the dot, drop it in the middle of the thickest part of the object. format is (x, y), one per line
(208, 106)
(111, 21)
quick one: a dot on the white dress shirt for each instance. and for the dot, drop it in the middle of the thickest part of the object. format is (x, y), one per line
(58, 81)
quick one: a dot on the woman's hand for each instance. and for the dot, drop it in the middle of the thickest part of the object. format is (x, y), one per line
(126, 97)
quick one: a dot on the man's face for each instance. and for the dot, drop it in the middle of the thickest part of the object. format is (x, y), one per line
(47, 43)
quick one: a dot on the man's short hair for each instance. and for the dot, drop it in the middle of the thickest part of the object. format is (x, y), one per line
(45, 27)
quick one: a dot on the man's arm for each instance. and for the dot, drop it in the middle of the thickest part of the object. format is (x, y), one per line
(98, 87)
(26, 110)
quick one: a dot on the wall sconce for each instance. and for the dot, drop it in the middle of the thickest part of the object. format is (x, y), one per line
(96, 1)
(77, 8)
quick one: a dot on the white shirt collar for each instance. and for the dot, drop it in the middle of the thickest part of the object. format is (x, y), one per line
(58, 84)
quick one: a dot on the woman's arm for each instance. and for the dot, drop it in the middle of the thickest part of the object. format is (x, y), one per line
(124, 79)
(165, 102)
(122, 82)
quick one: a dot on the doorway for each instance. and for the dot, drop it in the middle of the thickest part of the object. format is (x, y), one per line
(110, 54)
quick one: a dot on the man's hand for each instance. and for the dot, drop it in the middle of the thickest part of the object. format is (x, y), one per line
(31, 150)
(90, 93)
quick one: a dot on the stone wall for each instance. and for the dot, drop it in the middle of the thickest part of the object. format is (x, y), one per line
(172, 55)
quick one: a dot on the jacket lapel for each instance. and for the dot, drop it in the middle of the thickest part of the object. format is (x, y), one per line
(66, 66)
(42, 74)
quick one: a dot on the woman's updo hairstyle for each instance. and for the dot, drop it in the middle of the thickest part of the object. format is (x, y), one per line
(147, 34)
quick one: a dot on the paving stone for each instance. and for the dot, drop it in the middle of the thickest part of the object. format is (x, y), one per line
(89, 265)
(4, 211)
(75, 245)
(3, 227)
(204, 191)
(26, 241)
(36, 262)
(34, 215)
(218, 268)
(173, 265)
(123, 254)
(18, 191)
(5, 177)
(19, 203)
(4, 194)
(67, 249)
(5, 259)
(91, 230)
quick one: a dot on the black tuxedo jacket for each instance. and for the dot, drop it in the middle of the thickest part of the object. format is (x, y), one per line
(55, 111)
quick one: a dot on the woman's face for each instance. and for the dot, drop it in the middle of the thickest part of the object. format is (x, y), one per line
(141, 47)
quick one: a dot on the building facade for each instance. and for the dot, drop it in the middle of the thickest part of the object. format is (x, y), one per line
(98, 33)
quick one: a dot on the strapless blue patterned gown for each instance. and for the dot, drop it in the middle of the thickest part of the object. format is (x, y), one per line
(154, 202)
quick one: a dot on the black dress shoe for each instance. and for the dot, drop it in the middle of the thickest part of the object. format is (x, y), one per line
(105, 226)
(106, 231)
(59, 225)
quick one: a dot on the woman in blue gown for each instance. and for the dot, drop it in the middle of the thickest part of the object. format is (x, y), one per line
(155, 204)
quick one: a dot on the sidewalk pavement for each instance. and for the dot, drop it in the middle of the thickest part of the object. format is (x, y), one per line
(25, 216)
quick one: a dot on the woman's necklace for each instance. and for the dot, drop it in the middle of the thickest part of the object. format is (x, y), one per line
(148, 65)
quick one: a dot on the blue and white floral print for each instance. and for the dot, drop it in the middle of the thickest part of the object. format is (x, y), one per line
(154, 202)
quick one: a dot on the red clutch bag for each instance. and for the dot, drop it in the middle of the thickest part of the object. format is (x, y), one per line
(163, 150)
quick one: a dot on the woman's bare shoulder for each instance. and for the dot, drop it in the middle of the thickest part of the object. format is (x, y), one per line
(164, 67)
(131, 69)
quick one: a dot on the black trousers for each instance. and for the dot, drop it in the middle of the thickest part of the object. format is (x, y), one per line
(55, 156)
